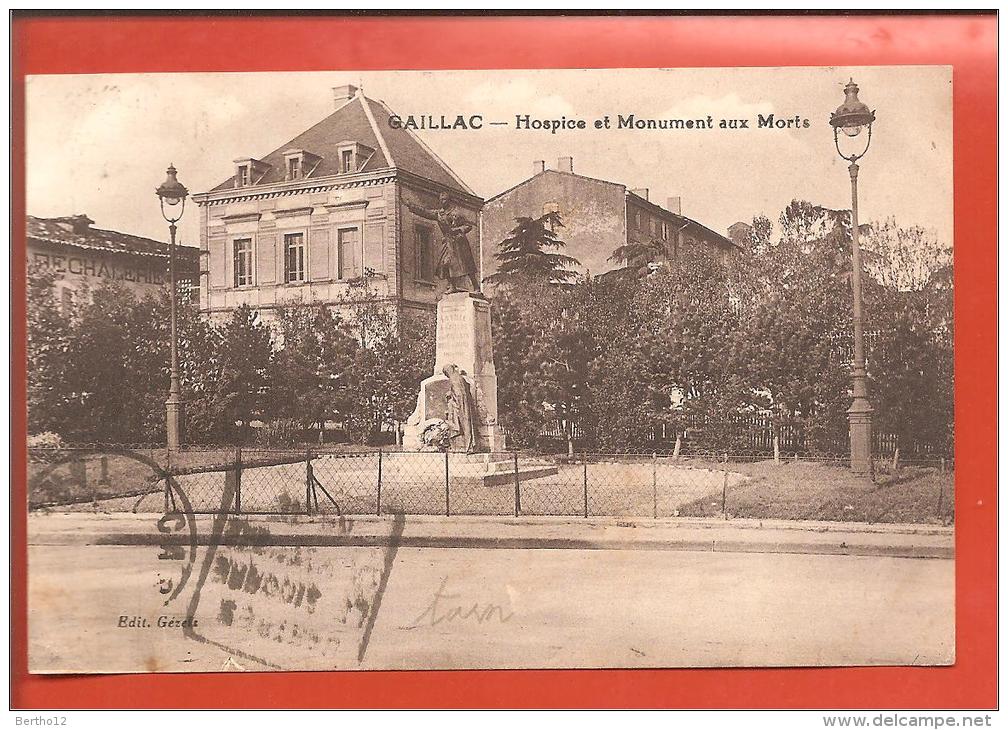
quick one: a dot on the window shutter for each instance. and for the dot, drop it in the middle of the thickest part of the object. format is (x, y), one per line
(318, 254)
(218, 262)
(266, 259)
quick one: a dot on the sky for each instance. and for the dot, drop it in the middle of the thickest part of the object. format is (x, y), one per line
(100, 144)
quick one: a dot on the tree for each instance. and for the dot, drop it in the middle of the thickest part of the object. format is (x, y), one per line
(246, 370)
(314, 365)
(528, 255)
(101, 374)
(520, 415)
(637, 256)
(49, 345)
(396, 351)
(909, 309)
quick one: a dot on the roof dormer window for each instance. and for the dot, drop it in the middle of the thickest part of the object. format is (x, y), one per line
(249, 171)
(353, 156)
(299, 164)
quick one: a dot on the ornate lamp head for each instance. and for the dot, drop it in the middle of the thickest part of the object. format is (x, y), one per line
(851, 118)
(853, 115)
(173, 195)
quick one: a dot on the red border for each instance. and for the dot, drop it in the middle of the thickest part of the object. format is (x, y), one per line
(969, 44)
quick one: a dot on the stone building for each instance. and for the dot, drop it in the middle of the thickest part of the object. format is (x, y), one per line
(327, 210)
(598, 217)
(84, 258)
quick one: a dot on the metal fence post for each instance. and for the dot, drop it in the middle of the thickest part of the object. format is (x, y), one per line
(378, 499)
(447, 499)
(941, 494)
(167, 479)
(654, 485)
(586, 489)
(238, 473)
(309, 476)
(724, 490)
(517, 487)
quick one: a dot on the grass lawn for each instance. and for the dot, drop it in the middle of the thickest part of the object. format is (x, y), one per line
(807, 490)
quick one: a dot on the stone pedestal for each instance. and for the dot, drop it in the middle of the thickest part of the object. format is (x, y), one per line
(463, 339)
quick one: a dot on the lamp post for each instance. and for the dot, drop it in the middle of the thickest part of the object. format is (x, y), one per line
(173, 196)
(854, 119)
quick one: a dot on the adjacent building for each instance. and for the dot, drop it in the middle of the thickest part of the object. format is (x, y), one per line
(598, 216)
(328, 210)
(83, 258)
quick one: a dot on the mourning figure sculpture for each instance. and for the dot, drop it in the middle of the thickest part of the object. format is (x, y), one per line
(461, 413)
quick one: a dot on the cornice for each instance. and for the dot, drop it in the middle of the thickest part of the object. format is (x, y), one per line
(301, 187)
(333, 182)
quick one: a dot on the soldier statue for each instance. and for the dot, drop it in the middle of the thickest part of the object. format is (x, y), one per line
(455, 261)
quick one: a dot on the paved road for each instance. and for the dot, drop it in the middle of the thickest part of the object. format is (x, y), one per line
(467, 608)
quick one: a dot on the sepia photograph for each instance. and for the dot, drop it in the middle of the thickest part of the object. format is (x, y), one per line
(490, 369)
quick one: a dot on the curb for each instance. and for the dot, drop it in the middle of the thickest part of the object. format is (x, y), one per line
(525, 535)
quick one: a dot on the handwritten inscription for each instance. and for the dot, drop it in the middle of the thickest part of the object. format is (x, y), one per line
(445, 608)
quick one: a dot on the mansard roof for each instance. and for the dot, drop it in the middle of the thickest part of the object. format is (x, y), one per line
(365, 121)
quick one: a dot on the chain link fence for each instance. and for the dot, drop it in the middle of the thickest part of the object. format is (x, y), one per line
(314, 481)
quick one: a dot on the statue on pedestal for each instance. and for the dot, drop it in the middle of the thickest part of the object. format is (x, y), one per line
(455, 258)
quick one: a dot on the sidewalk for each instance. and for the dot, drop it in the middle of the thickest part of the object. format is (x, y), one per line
(539, 533)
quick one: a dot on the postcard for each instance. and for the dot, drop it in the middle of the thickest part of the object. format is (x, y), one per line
(490, 369)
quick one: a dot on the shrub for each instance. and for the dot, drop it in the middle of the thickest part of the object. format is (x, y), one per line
(282, 432)
(45, 440)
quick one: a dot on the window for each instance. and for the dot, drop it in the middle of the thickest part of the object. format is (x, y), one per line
(551, 208)
(664, 230)
(242, 262)
(654, 226)
(244, 175)
(349, 253)
(293, 168)
(638, 218)
(188, 291)
(66, 299)
(294, 257)
(424, 254)
(346, 161)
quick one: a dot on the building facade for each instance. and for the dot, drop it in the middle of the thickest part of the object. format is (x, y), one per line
(83, 258)
(329, 211)
(598, 217)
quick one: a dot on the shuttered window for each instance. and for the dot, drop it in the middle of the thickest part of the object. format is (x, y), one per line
(349, 253)
(294, 257)
(243, 262)
(424, 245)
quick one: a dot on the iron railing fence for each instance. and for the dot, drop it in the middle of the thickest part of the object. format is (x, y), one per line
(750, 432)
(312, 481)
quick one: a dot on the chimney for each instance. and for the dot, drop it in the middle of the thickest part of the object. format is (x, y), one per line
(343, 94)
(538, 166)
(675, 205)
(741, 234)
(565, 164)
(640, 192)
(79, 224)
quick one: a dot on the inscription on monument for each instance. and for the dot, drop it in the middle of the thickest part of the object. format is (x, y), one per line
(452, 340)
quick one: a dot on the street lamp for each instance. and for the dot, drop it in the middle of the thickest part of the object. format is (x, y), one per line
(173, 196)
(854, 120)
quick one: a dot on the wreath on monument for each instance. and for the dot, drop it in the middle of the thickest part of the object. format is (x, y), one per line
(437, 435)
